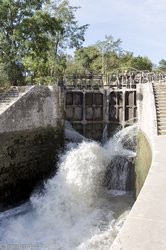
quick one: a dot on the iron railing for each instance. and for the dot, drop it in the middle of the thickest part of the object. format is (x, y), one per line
(114, 80)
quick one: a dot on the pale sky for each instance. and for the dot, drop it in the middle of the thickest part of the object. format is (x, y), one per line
(140, 24)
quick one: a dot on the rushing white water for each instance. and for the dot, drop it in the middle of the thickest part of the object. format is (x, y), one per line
(76, 211)
(105, 134)
(71, 134)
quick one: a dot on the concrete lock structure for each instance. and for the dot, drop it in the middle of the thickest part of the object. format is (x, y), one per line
(31, 133)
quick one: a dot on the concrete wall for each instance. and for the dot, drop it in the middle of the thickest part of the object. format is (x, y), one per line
(147, 111)
(31, 133)
(143, 160)
(39, 107)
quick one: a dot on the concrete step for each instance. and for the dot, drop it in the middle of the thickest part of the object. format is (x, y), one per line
(160, 101)
(161, 112)
(161, 117)
(161, 133)
(160, 95)
(161, 127)
(160, 98)
(161, 109)
(161, 124)
(159, 88)
(162, 92)
(159, 85)
(158, 91)
(163, 102)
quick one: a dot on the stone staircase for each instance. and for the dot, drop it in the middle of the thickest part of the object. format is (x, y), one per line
(11, 96)
(160, 100)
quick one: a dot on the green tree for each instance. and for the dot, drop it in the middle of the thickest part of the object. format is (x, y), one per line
(88, 58)
(4, 81)
(125, 60)
(101, 57)
(107, 56)
(12, 15)
(71, 66)
(73, 34)
(141, 63)
(110, 50)
(33, 35)
(162, 65)
(109, 45)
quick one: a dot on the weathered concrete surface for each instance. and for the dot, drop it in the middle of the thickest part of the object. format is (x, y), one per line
(26, 158)
(38, 107)
(31, 133)
(12, 95)
(145, 227)
(143, 161)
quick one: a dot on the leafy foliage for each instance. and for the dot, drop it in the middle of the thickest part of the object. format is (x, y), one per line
(107, 56)
(4, 81)
(33, 35)
(88, 58)
(142, 63)
(162, 65)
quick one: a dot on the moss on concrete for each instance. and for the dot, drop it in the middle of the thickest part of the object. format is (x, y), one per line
(143, 160)
(26, 158)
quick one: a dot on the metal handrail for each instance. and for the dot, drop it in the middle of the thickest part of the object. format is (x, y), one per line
(118, 80)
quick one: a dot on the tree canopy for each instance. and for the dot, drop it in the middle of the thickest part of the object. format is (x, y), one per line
(107, 56)
(162, 65)
(33, 35)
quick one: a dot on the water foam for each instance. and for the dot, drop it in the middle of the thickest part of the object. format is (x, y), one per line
(76, 211)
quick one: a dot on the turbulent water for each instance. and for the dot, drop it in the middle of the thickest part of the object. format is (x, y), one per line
(75, 210)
